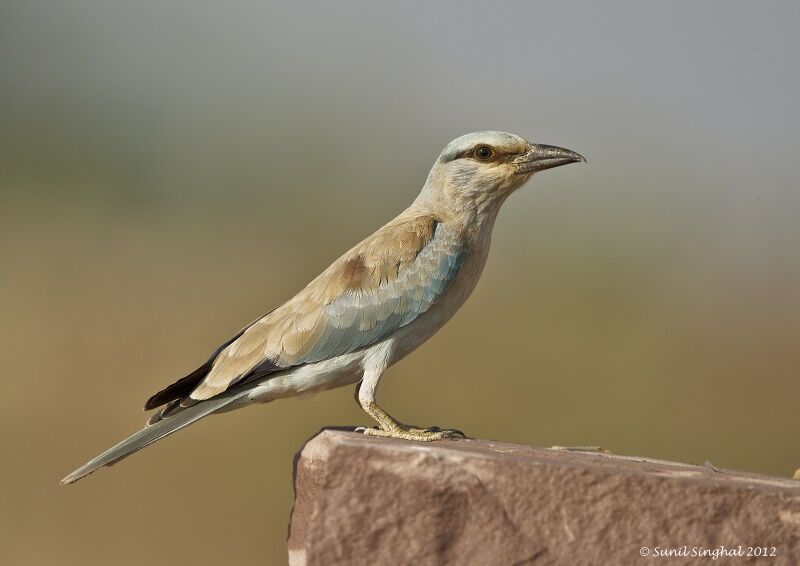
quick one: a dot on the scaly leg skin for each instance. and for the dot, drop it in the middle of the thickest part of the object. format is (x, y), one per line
(389, 427)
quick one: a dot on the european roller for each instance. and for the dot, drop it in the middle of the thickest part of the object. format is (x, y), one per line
(374, 305)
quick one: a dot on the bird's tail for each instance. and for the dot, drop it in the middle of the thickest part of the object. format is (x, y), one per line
(152, 433)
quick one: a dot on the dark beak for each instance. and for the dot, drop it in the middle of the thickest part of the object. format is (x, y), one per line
(541, 157)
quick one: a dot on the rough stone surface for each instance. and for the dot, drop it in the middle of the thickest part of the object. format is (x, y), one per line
(367, 500)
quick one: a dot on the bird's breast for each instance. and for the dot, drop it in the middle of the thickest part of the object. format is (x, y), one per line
(461, 287)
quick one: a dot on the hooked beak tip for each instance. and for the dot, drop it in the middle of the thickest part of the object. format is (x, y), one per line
(541, 157)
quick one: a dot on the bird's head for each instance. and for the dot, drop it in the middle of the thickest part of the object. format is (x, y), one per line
(479, 170)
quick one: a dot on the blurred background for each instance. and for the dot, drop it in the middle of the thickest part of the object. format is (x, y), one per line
(170, 171)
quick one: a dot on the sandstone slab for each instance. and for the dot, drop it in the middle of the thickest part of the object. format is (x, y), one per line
(373, 501)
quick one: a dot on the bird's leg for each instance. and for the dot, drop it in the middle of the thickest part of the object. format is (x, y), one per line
(389, 426)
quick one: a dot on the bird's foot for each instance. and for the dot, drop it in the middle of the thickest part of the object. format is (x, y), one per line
(410, 433)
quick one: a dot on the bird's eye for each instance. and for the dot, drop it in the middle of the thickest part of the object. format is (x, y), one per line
(484, 152)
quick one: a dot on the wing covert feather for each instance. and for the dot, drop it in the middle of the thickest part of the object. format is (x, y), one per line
(379, 286)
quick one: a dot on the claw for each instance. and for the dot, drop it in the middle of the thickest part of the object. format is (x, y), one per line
(415, 434)
(448, 432)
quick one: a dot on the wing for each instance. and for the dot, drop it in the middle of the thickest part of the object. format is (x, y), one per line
(185, 385)
(381, 285)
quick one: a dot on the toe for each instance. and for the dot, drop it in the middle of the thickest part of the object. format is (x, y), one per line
(453, 433)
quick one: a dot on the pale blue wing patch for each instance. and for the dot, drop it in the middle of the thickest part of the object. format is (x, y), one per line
(358, 318)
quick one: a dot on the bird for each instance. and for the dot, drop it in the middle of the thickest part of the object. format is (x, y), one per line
(370, 308)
